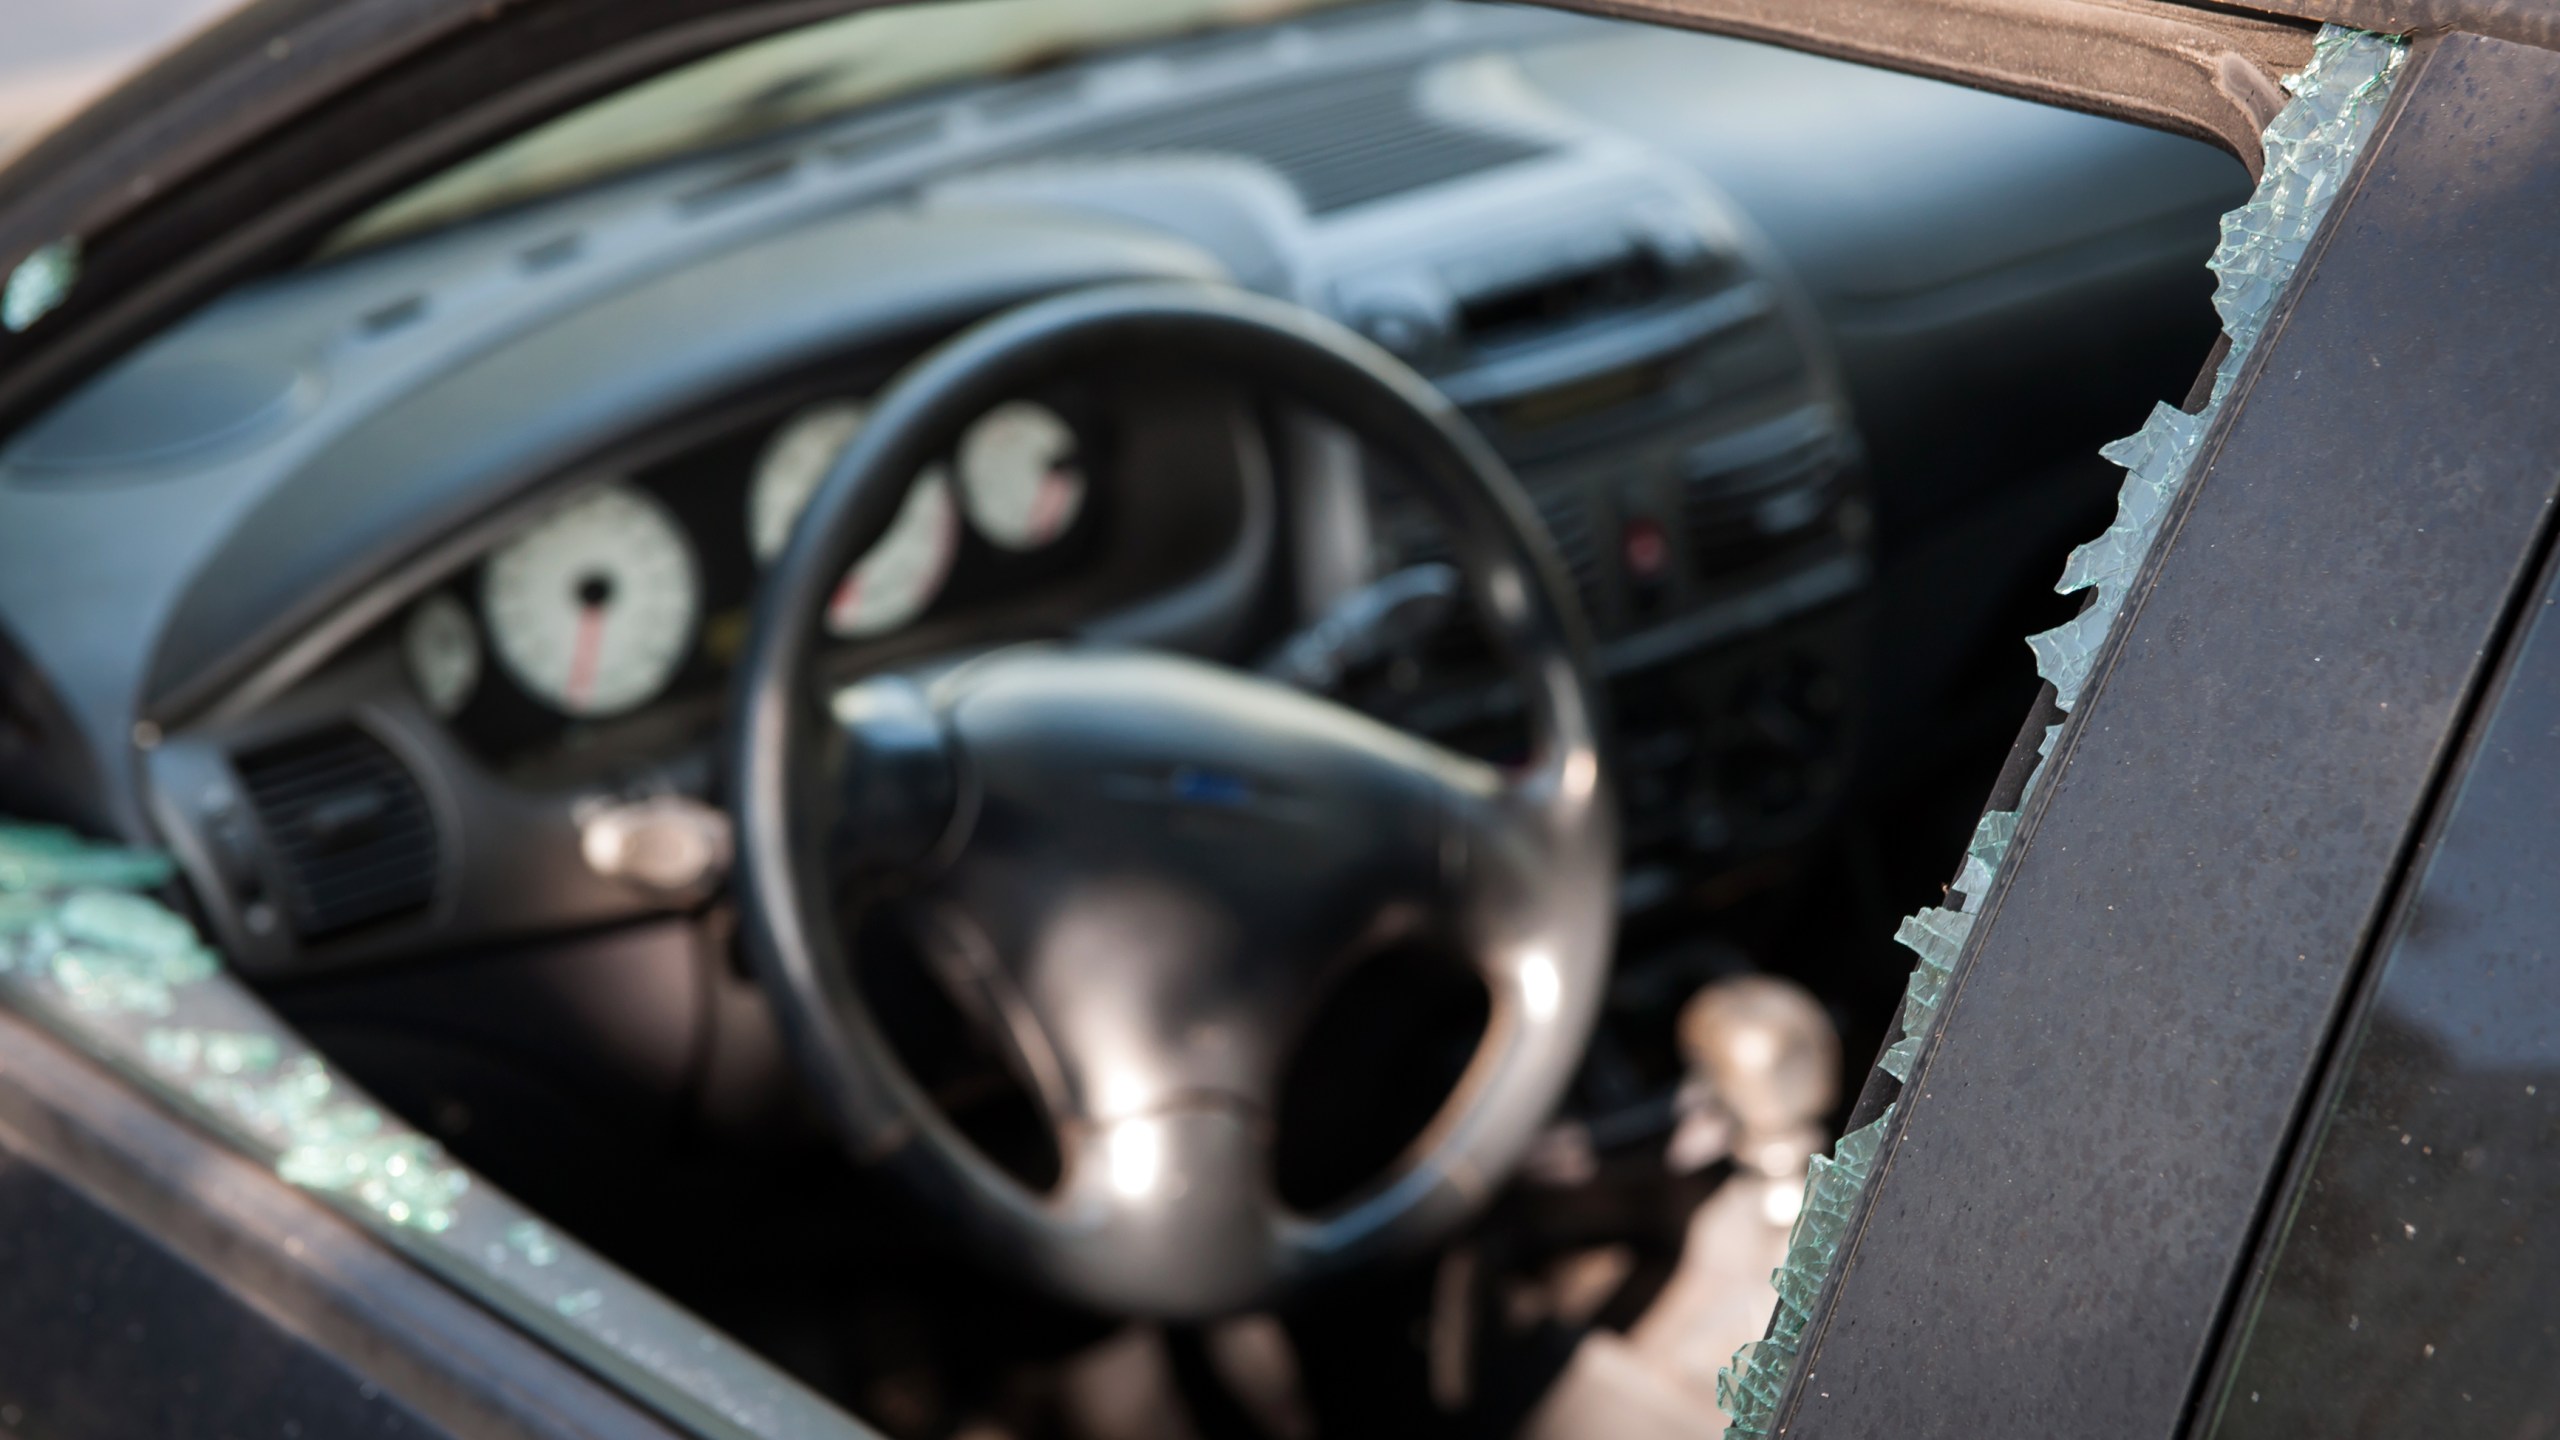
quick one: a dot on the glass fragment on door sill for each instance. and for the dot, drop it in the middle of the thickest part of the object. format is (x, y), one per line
(93, 960)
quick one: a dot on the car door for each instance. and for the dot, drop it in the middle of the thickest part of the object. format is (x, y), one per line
(2091, 1152)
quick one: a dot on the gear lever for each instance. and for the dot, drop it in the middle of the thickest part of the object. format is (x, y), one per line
(1766, 1061)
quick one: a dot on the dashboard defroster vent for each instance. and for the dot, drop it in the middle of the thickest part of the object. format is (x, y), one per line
(1338, 143)
(348, 829)
(1625, 281)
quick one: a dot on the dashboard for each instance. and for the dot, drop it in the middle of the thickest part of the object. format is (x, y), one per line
(396, 575)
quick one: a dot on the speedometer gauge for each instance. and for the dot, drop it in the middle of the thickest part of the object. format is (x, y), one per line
(1019, 476)
(903, 572)
(593, 608)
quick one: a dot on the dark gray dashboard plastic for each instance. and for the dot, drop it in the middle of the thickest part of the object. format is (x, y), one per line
(149, 599)
(1918, 185)
(168, 410)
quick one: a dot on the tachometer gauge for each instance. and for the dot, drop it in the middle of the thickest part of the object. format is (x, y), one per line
(1019, 477)
(444, 653)
(896, 581)
(788, 473)
(593, 608)
(905, 570)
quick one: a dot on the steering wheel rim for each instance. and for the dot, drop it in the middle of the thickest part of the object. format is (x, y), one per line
(1532, 881)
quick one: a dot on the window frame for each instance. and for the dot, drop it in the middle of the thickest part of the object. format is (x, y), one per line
(2062, 1224)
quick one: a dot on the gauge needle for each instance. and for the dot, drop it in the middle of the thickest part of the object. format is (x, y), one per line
(1049, 503)
(841, 609)
(582, 658)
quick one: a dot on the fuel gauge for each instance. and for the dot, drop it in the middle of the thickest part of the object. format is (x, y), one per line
(443, 649)
(1021, 480)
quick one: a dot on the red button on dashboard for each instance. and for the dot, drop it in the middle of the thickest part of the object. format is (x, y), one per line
(1648, 550)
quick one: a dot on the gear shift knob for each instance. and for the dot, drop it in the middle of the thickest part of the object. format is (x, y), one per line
(1763, 1053)
(1767, 1048)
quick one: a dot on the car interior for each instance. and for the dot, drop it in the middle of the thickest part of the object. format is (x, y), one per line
(904, 675)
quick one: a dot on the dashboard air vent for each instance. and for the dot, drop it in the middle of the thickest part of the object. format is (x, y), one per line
(744, 183)
(883, 139)
(1625, 281)
(1053, 91)
(1414, 537)
(1338, 143)
(1748, 503)
(349, 830)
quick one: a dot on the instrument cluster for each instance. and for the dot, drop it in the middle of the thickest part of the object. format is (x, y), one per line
(632, 591)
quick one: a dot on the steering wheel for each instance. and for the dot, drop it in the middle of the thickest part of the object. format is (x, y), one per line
(1160, 862)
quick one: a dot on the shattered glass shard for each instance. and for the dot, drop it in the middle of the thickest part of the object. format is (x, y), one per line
(71, 928)
(1797, 1286)
(47, 857)
(129, 981)
(1982, 856)
(298, 1105)
(39, 285)
(19, 915)
(104, 981)
(530, 1240)
(222, 1052)
(2156, 461)
(402, 1177)
(1748, 1390)
(1899, 1057)
(2310, 149)
(128, 924)
(1937, 937)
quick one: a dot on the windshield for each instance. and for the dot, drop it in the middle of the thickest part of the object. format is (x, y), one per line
(790, 80)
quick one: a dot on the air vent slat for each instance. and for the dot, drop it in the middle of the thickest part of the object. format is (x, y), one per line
(1739, 515)
(378, 855)
(353, 893)
(1568, 521)
(348, 827)
(377, 852)
(300, 791)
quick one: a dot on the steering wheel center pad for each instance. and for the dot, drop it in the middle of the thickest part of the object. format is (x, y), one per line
(1164, 858)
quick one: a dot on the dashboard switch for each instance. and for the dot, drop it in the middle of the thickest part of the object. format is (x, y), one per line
(1648, 549)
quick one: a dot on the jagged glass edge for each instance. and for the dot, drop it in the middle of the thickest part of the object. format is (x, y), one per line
(89, 958)
(39, 284)
(2311, 146)
(1748, 1389)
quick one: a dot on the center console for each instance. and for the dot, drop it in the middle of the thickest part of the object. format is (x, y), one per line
(1612, 326)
